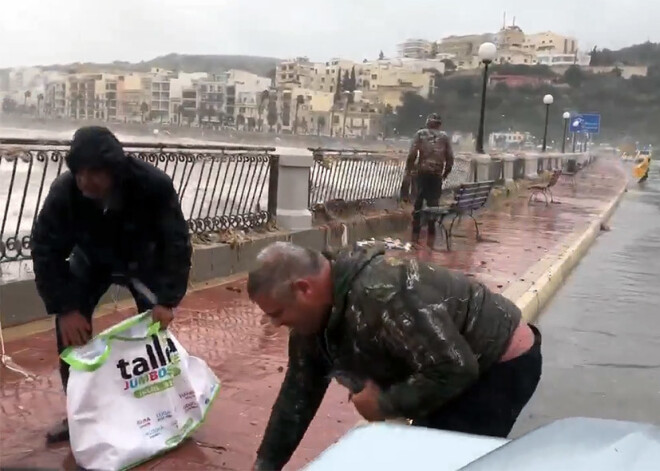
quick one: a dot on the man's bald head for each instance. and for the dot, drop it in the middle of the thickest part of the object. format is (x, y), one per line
(292, 285)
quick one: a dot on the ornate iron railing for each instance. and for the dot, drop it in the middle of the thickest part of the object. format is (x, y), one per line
(219, 187)
(354, 176)
(464, 171)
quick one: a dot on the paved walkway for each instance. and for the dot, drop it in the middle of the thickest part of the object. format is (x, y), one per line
(220, 325)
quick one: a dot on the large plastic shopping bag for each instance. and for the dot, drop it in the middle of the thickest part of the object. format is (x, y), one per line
(133, 393)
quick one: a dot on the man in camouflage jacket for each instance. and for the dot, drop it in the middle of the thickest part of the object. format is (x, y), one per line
(408, 339)
(431, 159)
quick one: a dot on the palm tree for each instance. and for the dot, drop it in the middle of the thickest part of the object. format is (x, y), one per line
(40, 100)
(26, 95)
(144, 109)
(263, 98)
(240, 121)
(320, 124)
(300, 100)
(179, 112)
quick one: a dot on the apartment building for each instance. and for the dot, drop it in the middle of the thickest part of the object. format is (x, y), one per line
(81, 95)
(465, 46)
(132, 98)
(548, 42)
(294, 72)
(415, 48)
(55, 103)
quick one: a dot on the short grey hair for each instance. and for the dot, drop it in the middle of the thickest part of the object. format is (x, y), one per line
(278, 265)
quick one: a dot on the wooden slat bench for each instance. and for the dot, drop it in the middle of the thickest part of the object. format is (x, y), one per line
(545, 189)
(469, 198)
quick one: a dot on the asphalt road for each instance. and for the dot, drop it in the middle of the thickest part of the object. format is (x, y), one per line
(601, 333)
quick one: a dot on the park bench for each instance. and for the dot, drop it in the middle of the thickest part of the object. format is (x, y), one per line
(468, 199)
(545, 189)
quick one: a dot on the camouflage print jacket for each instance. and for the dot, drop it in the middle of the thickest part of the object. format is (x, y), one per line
(435, 153)
(419, 331)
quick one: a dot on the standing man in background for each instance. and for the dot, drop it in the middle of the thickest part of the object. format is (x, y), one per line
(112, 219)
(430, 159)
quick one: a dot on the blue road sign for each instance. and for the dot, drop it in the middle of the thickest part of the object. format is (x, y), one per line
(591, 122)
(577, 123)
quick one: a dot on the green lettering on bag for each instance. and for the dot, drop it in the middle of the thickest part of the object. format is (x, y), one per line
(154, 388)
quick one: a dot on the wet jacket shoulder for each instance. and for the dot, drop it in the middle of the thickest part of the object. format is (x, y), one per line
(435, 328)
(148, 214)
(433, 151)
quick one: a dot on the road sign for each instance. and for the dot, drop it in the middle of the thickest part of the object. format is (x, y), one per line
(591, 122)
(577, 123)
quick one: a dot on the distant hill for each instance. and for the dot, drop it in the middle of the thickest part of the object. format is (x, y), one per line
(647, 53)
(212, 63)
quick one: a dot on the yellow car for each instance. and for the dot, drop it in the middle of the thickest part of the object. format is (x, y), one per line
(642, 164)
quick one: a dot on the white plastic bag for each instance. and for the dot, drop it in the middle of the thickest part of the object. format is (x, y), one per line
(133, 393)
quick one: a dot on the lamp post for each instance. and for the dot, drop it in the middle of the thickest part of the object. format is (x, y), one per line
(547, 101)
(487, 53)
(566, 117)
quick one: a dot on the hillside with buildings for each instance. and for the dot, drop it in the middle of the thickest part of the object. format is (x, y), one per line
(210, 63)
(381, 97)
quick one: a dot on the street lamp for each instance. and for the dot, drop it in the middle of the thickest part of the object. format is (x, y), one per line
(547, 101)
(566, 117)
(487, 53)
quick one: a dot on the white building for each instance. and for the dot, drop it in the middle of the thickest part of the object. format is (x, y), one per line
(415, 48)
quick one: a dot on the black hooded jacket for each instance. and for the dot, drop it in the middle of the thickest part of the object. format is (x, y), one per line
(140, 232)
(421, 332)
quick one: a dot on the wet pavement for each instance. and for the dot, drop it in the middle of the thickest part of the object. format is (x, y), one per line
(602, 330)
(221, 326)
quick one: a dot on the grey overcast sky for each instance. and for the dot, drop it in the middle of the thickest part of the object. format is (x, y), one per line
(39, 32)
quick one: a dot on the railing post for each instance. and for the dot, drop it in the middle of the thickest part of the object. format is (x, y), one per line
(483, 162)
(508, 161)
(531, 166)
(273, 183)
(293, 189)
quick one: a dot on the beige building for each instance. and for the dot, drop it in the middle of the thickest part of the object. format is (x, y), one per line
(132, 98)
(294, 72)
(551, 43)
(55, 104)
(81, 95)
(515, 56)
(463, 47)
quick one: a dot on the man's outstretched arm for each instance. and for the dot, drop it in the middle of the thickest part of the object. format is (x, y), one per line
(303, 389)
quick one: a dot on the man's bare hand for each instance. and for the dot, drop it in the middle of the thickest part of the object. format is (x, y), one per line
(75, 329)
(366, 402)
(162, 314)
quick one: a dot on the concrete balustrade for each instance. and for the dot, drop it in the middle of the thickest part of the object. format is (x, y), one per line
(509, 163)
(293, 189)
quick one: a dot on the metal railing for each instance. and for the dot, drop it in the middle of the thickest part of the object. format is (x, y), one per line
(219, 187)
(354, 176)
(464, 171)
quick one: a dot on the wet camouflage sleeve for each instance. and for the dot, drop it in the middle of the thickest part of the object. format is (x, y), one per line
(412, 153)
(449, 164)
(426, 340)
(305, 383)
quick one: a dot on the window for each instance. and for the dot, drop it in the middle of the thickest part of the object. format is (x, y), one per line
(374, 76)
(241, 110)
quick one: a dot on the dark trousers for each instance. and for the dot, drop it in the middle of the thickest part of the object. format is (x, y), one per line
(94, 283)
(492, 405)
(429, 189)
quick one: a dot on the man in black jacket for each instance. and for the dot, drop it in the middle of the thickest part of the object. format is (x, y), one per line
(408, 339)
(112, 219)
